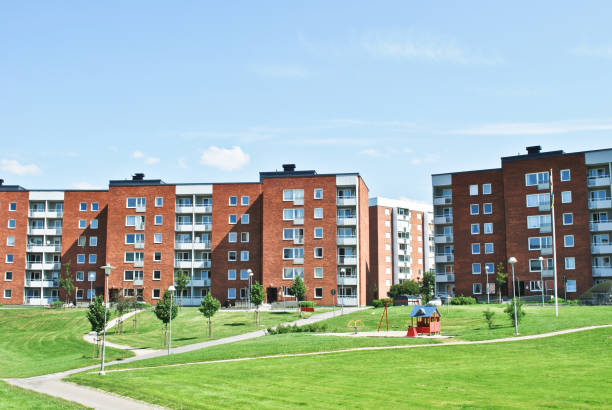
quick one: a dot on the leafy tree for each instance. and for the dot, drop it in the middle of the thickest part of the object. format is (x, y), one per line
(66, 282)
(208, 307)
(501, 278)
(165, 309)
(428, 285)
(181, 280)
(257, 297)
(488, 315)
(95, 315)
(407, 287)
(520, 313)
(298, 289)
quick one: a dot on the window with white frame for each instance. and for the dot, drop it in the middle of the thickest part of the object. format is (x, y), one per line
(537, 221)
(318, 293)
(82, 241)
(82, 223)
(568, 241)
(136, 202)
(245, 200)
(292, 214)
(231, 274)
(486, 189)
(157, 238)
(244, 237)
(475, 248)
(243, 293)
(477, 288)
(535, 286)
(232, 256)
(318, 252)
(159, 201)
(93, 241)
(8, 276)
(8, 293)
(318, 272)
(233, 201)
(318, 213)
(80, 276)
(244, 274)
(487, 208)
(565, 175)
(318, 193)
(244, 256)
(93, 224)
(539, 242)
(566, 197)
(536, 178)
(488, 227)
(570, 263)
(476, 268)
(534, 200)
(231, 293)
(156, 294)
(293, 253)
(535, 265)
(473, 190)
(157, 256)
(232, 237)
(292, 273)
(10, 241)
(95, 207)
(83, 206)
(475, 229)
(93, 258)
(158, 219)
(12, 206)
(233, 219)
(489, 268)
(80, 258)
(156, 275)
(293, 194)
(489, 247)
(244, 219)
(318, 233)
(11, 224)
(568, 219)
(474, 209)
(91, 276)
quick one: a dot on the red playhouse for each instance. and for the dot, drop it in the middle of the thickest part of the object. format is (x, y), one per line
(428, 321)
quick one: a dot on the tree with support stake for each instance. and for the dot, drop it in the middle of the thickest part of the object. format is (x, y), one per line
(66, 281)
(208, 307)
(298, 289)
(181, 280)
(501, 278)
(257, 298)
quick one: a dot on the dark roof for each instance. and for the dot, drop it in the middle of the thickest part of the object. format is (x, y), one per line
(132, 182)
(532, 156)
(284, 174)
(12, 188)
(424, 311)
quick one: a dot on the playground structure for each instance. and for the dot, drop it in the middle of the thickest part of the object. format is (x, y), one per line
(355, 324)
(427, 319)
(385, 314)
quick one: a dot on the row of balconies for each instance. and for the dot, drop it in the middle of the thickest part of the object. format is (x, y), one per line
(43, 265)
(192, 263)
(600, 226)
(600, 248)
(192, 226)
(601, 180)
(43, 248)
(190, 209)
(37, 283)
(50, 213)
(44, 231)
(192, 245)
(600, 203)
(198, 282)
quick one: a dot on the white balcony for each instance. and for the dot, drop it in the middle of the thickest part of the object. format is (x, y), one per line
(201, 263)
(184, 209)
(298, 261)
(44, 248)
(440, 220)
(201, 245)
(139, 264)
(298, 240)
(297, 221)
(183, 227)
(140, 208)
(298, 201)
(200, 282)
(138, 282)
(443, 239)
(599, 248)
(347, 301)
(545, 228)
(543, 186)
(50, 283)
(139, 227)
(38, 301)
(544, 207)
(183, 245)
(603, 180)
(599, 271)
(548, 273)
(43, 265)
(347, 280)
(600, 203)
(183, 264)
(202, 227)
(346, 240)
(202, 209)
(546, 250)
(445, 257)
(342, 220)
(601, 226)
(346, 201)
(138, 245)
(443, 200)
(189, 300)
(52, 213)
(347, 260)
(445, 277)
(36, 231)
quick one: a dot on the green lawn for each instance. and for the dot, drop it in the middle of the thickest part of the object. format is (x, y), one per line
(191, 327)
(40, 341)
(467, 322)
(16, 398)
(573, 370)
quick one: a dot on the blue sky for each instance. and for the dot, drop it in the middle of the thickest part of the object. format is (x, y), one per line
(202, 92)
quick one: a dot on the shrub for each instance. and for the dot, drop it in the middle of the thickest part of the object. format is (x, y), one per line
(380, 302)
(509, 310)
(463, 300)
(307, 303)
(311, 328)
(57, 304)
(488, 315)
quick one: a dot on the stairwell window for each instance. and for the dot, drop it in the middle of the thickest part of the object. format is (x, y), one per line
(566, 197)
(568, 241)
(565, 175)
(473, 190)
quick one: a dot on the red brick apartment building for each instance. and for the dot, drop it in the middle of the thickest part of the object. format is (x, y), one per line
(484, 217)
(401, 243)
(289, 223)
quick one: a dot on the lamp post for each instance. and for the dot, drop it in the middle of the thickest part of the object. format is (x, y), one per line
(487, 273)
(107, 270)
(512, 261)
(171, 289)
(542, 278)
(250, 272)
(342, 273)
(91, 281)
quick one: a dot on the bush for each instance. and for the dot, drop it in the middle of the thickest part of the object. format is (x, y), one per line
(463, 300)
(307, 303)
(561, 300)
(380, 302)
(57, 304)
(488, 315)
(311, 328)
(520, 313)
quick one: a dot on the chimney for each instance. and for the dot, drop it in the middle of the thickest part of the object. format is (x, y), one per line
(534, 150)
(288, 167)
(1, 182)
(138, 177)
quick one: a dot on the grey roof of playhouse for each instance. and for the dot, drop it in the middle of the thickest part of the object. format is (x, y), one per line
(424, 311)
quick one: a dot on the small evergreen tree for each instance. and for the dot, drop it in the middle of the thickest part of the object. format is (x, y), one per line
(501, 278)
(181, 280)
(509, 310)
(428, 286)
(298, 289)
(257, 297)
(208, 307)
(66, 282)
(165, 309)
(95, 315)
(488, 315)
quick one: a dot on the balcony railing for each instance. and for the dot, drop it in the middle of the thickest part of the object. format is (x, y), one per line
(346, 240)
(43, 248)
(543, 185)
(138, 282)
(138, 263)
(444, 257)
(347, 300)
(600, 271)
(443, 200)
(346, 200)
(600, 248)
(347, 280)
(601, 203)
(201, 245)
(38, 283)
(544, 206)
(141, 208)
(201, 263)
(346, 220)
(443, 238)
(347, 260)
(599, 180)
(445, 277)
(38, 301)
(184, 209)
(601, 226)
(443, 219)
(298, 240)
(546, 250)
(202, 226)
(41, 213)
(138, 245)
(549, 272)
(182, 263)
(202, 209)
(139, 227)
(199, 282)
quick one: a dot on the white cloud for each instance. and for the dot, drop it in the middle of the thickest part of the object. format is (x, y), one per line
(604, 51)
(280, 70)
(14, 167)
(138, 154)
(151, 160)
(181, 163)
(85, 185)
(226, 159)
(147, 159)
(372, 152)
(537, 128)
(427, 159)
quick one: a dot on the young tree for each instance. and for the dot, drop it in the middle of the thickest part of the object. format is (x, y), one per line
(501, 278)
(165, 309)
(95, 315)
(509, 310)
(181, 280)
(488, 315)
(407, 287)
(298, 289)
(257, 297)
(66, 281)
(208, 307)
(123, 306)
(428, 285)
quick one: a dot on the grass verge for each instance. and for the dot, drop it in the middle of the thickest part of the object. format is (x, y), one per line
(18, 398)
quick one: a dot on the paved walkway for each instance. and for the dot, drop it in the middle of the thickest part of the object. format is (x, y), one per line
(53, 385)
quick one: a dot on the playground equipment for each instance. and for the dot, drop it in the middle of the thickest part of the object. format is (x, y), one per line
(428, 321)
(354, 324)
(385, 314)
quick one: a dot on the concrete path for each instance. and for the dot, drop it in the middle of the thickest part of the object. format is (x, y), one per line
(53, 385)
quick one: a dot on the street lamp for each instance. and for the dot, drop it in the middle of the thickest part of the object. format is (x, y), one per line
(107, 270)
(542, 278)
(487, 268)
(512, 261)
(250, 272)
(342, 274)
(171, 289)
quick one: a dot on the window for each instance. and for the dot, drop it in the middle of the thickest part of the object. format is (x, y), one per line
(291, 214)
(244, 219)
(318, 193)
(318, 213)
(570, 286)
(568, 241)
(80, 276)
(159, 201)
(486, 189)
(243, 293)
(244, 274)
(388, 224)
(318, 233)
(318, 293)
(487, 209)
(130, 220)
(10, 241)
(537, 243)
(474, 209)
(476, 288)
(136, 202)
(244, 236)
(158, 219)
(128, 293)
(475, 248)
(476, 268)
(233, 201)
(81, 258)
(293, 195)
(566, 197)
(565, 175)
(157, 256)
(156, 275)
(475, 229)
(157, 238)
(293, 253)
(537, 221)
(536, 178)
(8, 276)
(93, 258)
(83, 240)
(568, 219)
(488, 227)
(232, 237)
(11, 224)
(93, 224)
(128, 275)
(245, 200)
(156, 293)
(95, 207)
(570, 263)
(231, 274)
(9, 258)
(473, 190)
(536, 266)
(387, 211)
(83, 206)
(93, 241)
(233, 219)
(82, 223)
(231, 293)
(489, 268)
(318, 272)
(292, 273)
(13, 206)
(489, 247)
(244, 256)
(318, 252)
(231, 256)
(8, 293)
